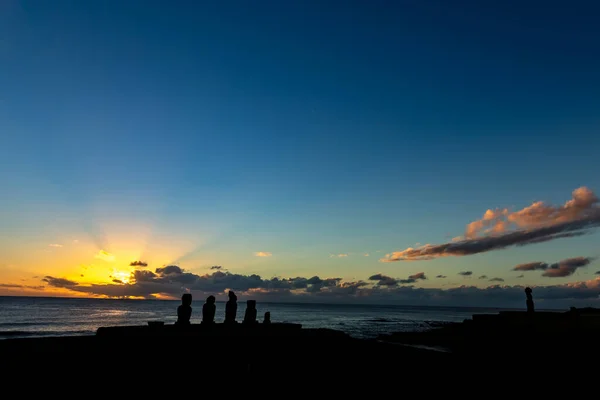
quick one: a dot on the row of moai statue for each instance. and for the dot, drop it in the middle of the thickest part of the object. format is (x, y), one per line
(209, 309)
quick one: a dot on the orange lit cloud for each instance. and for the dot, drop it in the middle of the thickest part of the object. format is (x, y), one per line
(55, 245)
(499, 229)
(263, 254)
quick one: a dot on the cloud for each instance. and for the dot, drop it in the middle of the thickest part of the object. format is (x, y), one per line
(105, 256)
(441, 276)
(483, 277)
(496, 280)
(384, 280)
(566, 267)
(117, 281)
(418, 275)
(172, 280)
(138, 264)
(521, 276)
(556, 270)
(597, 272)
(147, 284)
(366, 254)
(59, 282)
(341, 255)
(216, 267)
(143, 275)
(500, 228)
(55, 245)
(466, 273)
(169, 269)
(263, 254)
(532, 266)
(16, 286)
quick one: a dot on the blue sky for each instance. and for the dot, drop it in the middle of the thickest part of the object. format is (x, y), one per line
(201, 133)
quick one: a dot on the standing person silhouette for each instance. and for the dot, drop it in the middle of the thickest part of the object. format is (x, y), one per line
(184, 311)
(231, 308)
(529, 302)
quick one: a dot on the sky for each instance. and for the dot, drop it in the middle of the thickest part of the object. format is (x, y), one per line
(409, 152)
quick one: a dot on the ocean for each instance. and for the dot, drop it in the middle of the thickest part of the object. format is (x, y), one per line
(47, 316)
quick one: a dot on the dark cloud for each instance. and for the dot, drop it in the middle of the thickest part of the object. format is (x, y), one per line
(146, 284)
(553, 237)
(566, 267)
(521, 276)
(313, 280)
(441, 276)
(138, 264)
(482, 277)
(384, 280)
(466, 273)
(534, 224)
(597, 272)
(532, 266)
(556, 270)
(143, 275)
(320, 283)
(496, 280)
(406, 281)
(172, 280)
(59, 282)
(216, 267)
(169, 269)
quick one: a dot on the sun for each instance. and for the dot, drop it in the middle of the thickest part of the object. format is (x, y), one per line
(122, 276)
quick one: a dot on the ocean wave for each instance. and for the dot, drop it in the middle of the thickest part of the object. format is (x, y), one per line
(15, 334)
(48, 323)
(380, 320)
(11, 324)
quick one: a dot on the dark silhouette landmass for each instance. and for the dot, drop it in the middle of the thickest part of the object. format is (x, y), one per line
(290, 351)
(512, 334)
(277, 352)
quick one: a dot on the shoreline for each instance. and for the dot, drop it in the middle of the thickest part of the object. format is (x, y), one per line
(512, 334)
(485, 338)
(294, 352)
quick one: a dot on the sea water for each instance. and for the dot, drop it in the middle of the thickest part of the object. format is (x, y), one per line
(46, 316)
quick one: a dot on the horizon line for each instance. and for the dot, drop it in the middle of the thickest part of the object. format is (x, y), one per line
(284, 302)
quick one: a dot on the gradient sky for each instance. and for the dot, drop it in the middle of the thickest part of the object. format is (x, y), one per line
(296, 139)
